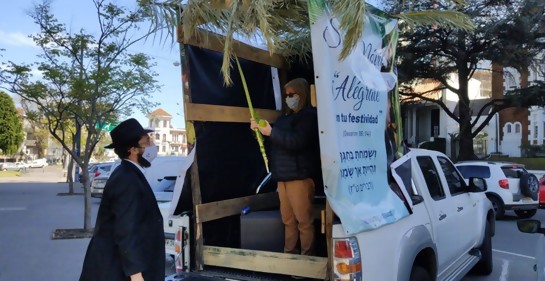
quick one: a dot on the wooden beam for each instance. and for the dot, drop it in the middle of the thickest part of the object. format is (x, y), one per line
(329, 234)
(222, 113)
(212, 41)
(271, 262)
(220, 209)
(194, 171)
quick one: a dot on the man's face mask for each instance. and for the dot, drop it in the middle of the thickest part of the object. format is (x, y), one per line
(146, 157)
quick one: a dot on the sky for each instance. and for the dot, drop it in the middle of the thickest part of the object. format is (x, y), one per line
(16, 26)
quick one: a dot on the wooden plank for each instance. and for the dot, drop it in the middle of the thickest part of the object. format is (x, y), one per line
(270, 262)
(329, 235)
(220, 209)
(194, 171)
(215, 42)
(222, 113)
(313, 100)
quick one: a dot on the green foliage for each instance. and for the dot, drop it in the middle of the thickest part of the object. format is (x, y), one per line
(530, 163)
(509, 32)
(91, 78)
(11, 127)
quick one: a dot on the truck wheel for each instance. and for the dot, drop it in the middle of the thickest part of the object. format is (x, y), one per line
(419, 273)
(485, 265)
(497, 204)
(529, 185)
(525, 214)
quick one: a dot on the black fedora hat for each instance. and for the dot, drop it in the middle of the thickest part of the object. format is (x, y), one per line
(125, 132)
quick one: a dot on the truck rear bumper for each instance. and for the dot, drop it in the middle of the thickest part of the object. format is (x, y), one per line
(522, 207)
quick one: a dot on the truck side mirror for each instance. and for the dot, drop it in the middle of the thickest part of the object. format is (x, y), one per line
(477, 185)
(530, 226)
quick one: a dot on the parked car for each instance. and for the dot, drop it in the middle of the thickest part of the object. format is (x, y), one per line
(510, 186)
(542, 193)
(97, 185)
(11, 166)
(38, 163)
(99, 169)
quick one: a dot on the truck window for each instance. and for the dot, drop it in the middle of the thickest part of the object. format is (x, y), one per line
(455, 182)
(431, 177)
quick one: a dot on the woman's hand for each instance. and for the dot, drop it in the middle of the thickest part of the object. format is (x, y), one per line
(137, 277)
(264, 127)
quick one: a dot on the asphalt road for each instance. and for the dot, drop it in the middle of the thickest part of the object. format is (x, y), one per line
(31, 211)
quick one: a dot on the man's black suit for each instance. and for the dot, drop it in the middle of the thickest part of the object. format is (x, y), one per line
(128, 235)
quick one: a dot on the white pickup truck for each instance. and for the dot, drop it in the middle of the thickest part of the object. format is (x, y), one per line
(447, 235)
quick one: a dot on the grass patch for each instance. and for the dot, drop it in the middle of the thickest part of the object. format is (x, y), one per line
(7, 174)
(537, 163)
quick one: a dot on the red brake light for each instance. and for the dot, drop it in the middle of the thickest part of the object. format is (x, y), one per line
(504, 183)
(343, 250)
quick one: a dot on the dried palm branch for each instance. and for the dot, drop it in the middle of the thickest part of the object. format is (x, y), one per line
(446, 19)
(282, 24)
(254, 116)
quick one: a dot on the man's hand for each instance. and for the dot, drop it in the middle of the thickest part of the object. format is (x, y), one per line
(137, 277)
(264, 127)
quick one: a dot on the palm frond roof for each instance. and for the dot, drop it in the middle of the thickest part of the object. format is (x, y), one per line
(282, 25)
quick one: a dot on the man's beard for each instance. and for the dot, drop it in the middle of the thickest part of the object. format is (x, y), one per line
(143, 162)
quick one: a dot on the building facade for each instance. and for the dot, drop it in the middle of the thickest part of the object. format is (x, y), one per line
(171, 141)
(505, 133)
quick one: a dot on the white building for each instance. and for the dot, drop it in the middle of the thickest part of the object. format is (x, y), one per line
(171, 141)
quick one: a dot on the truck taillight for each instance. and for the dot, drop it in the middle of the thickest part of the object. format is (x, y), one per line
(346, 259)
(178, 244)
(504, 183)
(343, 249)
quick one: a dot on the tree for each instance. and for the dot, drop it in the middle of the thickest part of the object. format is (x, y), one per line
(508, 32)
(87, 80)
(11, 127)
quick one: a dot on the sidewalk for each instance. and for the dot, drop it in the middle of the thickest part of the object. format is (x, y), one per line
(50, 174)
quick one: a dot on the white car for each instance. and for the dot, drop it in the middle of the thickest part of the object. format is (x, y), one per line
(510, 186)
(38, 163)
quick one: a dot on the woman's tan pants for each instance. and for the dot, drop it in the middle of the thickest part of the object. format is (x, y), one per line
(296, 208)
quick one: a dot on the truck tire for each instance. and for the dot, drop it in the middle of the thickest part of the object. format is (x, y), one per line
(418, 273)
(497, 204)
(525, 214)
(485, 265)
(529, 185)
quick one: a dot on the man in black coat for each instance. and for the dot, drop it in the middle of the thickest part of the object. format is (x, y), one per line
(128, 242)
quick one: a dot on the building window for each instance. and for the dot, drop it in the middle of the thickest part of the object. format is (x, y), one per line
(535, 132)
(508, 128)
(157, 137)
(517, 128)
(156, 123)
(164, 137)
(164, 148)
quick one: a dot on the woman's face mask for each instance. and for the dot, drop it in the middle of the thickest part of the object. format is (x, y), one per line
(292, 102)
